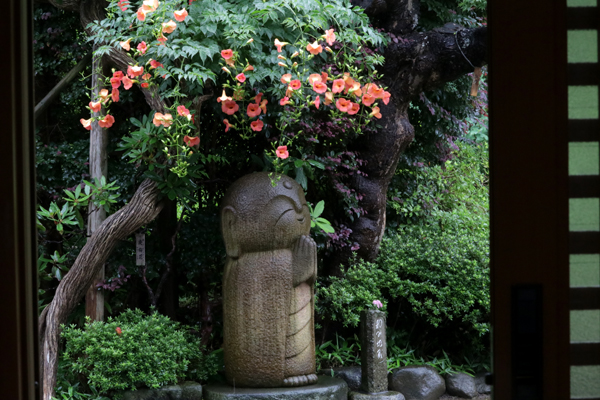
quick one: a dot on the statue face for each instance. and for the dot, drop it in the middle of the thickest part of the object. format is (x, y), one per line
(258, 216)
(288, 220)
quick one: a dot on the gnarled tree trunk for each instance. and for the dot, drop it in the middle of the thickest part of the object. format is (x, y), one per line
(419, 61)
(143, 208)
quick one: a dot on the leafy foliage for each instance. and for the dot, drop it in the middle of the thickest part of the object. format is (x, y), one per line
(398, 358)
(190, 66)
(433, 264)
(342, 352)
(216, 25)
(468, 13)
(133, 351)
(346, 352)
(58, 45)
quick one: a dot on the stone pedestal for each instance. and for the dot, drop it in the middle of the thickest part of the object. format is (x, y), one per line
(183, 391)
(376, 396)
(327, 388)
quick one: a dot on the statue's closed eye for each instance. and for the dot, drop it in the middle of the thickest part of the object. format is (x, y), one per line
(285, 212)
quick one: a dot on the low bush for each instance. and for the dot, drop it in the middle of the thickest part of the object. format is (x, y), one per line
(133, 351)
(432, 273)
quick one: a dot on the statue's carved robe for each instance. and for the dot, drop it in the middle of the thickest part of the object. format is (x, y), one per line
(266, 341)
(268, 301)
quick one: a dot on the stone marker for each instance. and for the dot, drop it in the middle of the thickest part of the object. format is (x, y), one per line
(268, 283)
(373, 353)
(373, 356)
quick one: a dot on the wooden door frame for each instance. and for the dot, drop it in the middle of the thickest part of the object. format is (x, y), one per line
(528, 182)
(529, 205)
(18, 297)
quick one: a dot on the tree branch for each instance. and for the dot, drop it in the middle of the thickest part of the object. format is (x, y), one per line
(395, 16)
(423, 61)
(143, 208)
(120, 59)
(64, 82)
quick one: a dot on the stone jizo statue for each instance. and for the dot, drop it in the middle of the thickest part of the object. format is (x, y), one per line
(268, 284)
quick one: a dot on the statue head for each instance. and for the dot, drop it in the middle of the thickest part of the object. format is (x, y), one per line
(263, 211)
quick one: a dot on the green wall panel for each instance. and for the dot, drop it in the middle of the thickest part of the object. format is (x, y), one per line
(583, 158)
(583, 102)
(584, 214)
(581, 3)
(585, 326)
(582, 46)
(584, 270)
(585, 381)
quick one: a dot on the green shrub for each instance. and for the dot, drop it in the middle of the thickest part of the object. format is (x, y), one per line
(132, 351)
(432, 273)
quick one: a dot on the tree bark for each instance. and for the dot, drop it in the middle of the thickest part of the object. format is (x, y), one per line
(143, 208)
(416, 62)
(167, 230)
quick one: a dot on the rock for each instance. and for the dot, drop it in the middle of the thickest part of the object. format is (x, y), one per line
(184, 391)
(351, 375)
(480, 384)
(461, 385)
(417, 382)
(376, 396)
(327, 388)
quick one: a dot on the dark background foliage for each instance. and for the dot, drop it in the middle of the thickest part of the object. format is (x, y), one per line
(422, 213)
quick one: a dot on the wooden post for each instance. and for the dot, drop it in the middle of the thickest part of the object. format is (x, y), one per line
(94, 298)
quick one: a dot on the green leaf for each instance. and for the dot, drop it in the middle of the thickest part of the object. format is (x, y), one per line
(316, 164)
(318, 210)
(301, 178)
(136, 122)
(326, 228)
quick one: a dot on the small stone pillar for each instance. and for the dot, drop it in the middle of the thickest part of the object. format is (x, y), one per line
(373, 355)
(373, 351)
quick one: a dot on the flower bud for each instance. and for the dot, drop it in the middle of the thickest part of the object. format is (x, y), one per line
(250, 41)
(296, 54)
(282, 64)
(327, 48)
(226, 70)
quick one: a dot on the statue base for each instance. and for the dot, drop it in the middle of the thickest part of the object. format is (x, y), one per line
(326, 388)
(376, 396)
